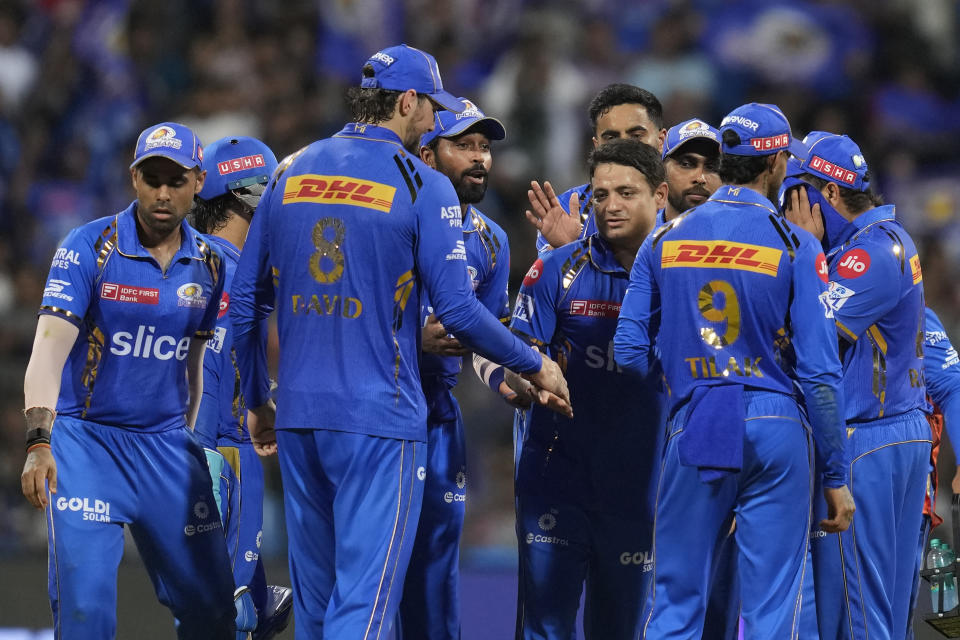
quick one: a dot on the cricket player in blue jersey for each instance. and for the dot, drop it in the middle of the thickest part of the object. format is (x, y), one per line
(691, 158)
(864, 578)
(129, 304)
(721, 290)
(618, 111)
(239, 169)
(348, 236)
(583, 484)
(459, 148)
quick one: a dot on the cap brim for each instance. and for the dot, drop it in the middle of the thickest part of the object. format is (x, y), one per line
(447, 101)
(669, 151)
(798, 149)
(160, 154)
(492, 127)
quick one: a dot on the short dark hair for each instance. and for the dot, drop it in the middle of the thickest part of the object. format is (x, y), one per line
(371, 105)
(736, 169)
(630, 153)
(855, 201)
(616, 94)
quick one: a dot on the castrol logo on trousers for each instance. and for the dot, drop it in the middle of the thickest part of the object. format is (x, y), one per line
(853, 264)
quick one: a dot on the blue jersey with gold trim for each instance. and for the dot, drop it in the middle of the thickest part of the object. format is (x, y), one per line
(488, 263)
(568, 305)
(875, 296)
(223, 411)
(724, 289)
(348, 235)
(941, 368)
(136, 321)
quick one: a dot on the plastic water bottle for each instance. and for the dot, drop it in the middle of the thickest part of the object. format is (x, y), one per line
(949, 580)
(934, 560)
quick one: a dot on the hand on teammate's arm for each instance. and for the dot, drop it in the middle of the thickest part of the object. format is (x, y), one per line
(513, 398)
(41, 388)
(260, 423)
(435, 339)
(550, 387)
(840, 509)
(550, 218)
(800, 213)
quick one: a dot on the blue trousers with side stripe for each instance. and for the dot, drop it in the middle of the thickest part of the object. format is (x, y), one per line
(352, 503)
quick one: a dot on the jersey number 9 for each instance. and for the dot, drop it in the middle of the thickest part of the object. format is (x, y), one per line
(718, 305)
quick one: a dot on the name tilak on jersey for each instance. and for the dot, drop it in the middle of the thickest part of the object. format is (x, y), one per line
(148, 345)
(701, 367)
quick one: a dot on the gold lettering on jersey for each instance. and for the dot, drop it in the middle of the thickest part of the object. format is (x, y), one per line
(721, 253)
(705, 368)
(915, 269)
(339, 190)
(326, 305)
(916, 378)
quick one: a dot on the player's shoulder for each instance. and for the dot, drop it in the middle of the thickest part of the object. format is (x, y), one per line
(583, 192)
(488, 222)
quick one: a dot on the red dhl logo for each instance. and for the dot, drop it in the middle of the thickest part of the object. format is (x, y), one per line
(722, 254)
(339, 190)
(832, 171)
(773, 142)
(915, 269)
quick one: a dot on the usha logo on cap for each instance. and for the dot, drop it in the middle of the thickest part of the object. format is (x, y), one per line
(163, 137)
(781, 141)
(834, 171)
(240, 164)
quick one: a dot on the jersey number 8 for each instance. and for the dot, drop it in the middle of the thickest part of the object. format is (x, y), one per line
(718, 304)
(326, 265)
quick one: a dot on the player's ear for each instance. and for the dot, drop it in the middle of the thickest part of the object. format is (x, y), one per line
(831, 192)
(661, 138)
(407, 102)
(201, 176)
(133, 178)
(428, 156)
(660, 195)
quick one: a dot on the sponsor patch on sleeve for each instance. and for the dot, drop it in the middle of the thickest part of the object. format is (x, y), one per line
(853, 264)
(822, 269)
(533, 274)
(523, 309)
(834, 298)
(915, 270)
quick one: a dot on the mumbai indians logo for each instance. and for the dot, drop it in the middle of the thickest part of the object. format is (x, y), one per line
(339, 190)
(191, 295)
(725, 255)
(470, 110)
(696, 128)
(162, 137)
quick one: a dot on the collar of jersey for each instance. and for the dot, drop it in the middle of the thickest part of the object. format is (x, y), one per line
(601, 255)
(883, 213)
(128, 243)
(738, 194)
(223, 244)
(470, 221)
(369, 132)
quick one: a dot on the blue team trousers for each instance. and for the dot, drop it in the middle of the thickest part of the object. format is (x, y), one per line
(352, 502)
(770, 497)
(242, 479)
(565, 549)
(430, 608)
(864, 578)
(158, 485)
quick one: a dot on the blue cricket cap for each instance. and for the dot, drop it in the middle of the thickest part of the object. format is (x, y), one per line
(837, 159)
(686, 131)
(401, 68)
(448, 124)
(236, 162)
(763, 131)
(169, 140)
(794, 163)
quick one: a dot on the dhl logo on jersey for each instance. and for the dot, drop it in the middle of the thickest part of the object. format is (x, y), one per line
(339, 190)
(915, 269)
(720, 253)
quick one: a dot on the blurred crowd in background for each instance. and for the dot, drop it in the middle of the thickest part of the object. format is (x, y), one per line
(79, 79)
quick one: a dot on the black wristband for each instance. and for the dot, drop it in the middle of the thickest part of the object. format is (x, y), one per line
(38, 435)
